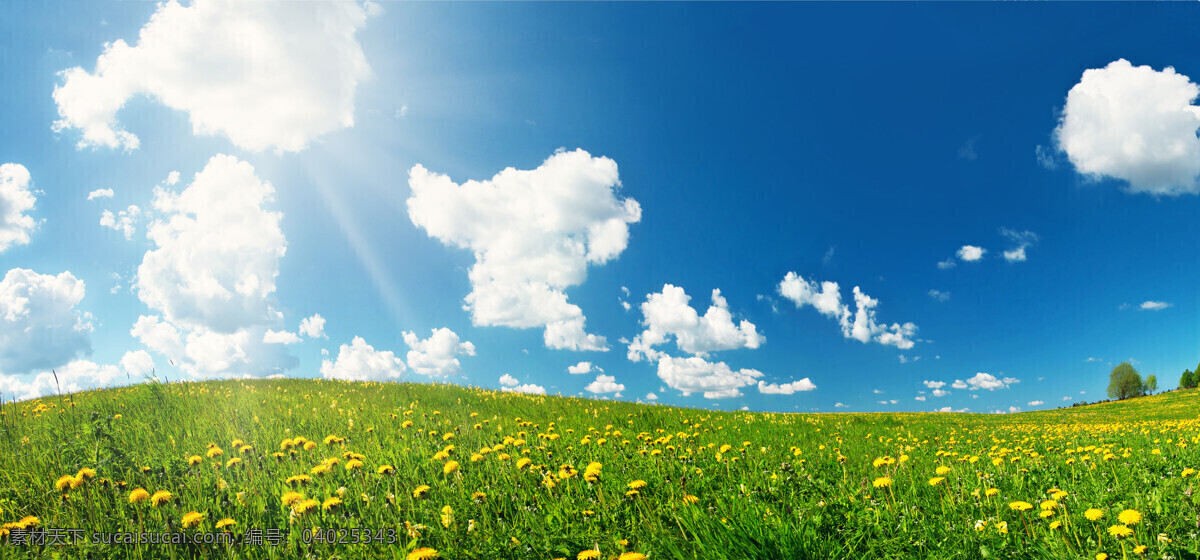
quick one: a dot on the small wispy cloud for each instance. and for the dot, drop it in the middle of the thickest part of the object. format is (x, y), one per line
(939, 295)
(1154, 305)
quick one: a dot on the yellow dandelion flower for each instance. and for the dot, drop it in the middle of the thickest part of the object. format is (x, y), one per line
(306, 507)
(299, 480)
(309, 445)
(194, 460)
(991, 492)
(1020, 506)
(690, 499)
(353, 464)
(319, 469)
(1055, 525)
(1093, 514)
(386, 469)
(290, 498)
(233, 462)
(1120, 531)
(637, 484)
(936, 480)
(192, 519)
(225, 523)
(882, 482)
(450, 467)
(478, 496)
(64, 482)
(423, 553)
(331, 504)
(632, 556)
(138, 496)
(421, 491)
(1046, 513)
(523, 462)
(1048, 504)
(86, 473)
(588, 555)
(214, 452)
(1101, 556)
(942, 470)
(1139, 549)
(1129, 517)
(161, 497)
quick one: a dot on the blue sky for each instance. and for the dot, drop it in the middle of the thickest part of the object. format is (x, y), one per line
(656, 150)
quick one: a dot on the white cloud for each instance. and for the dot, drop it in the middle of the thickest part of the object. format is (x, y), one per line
(124, 221)
(156, 335)
(668, 314)
(1093, 360)
(261, 74)
(509, 381)
(860, 325)
(1036, 403)
(359, 361)
(280, 337)
(959, 384)
(919, 398)
(212, 273)
(605, 384)
(971, 253)
(528, 389)
(651, 397)
(934, 384)
(1066, 398)
(939, 295)
(1023, 239)
(1013, 409)
(948, 263)
(100, 193)
(785, 388)
(172, 177)
(989, 382)
(436, 356)
(16, 200)
(582, 368)
(697, 375)
(940, 393)
(534, 234)
(1154, 305)
(218, 250)
(1045, 157)
(840, 405)
(877, 391)
(948, 409)
(75, 376)
(137, 362)
(313, 327)
(39, 325)
(1134, 124)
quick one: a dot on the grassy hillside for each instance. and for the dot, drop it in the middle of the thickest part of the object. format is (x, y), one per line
(442, 471)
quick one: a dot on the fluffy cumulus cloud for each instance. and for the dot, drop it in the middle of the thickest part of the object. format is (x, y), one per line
(436, 356)
(714, 380)
(124, 221)
(218, 250)
(668, 314)
(313, 327)
(651, 397)
(280, 337)
(786, 388)
(16, 200)
(1134, 124)
(507, 380)
(983, 380)
(75, 376)
(100, 193)
(359, 361)
(934, 384)
(605, 384)
(861, 324)
(582, 368)
(137, 362)
(1022, 240)
(970, 253)
(1154, 305)
(533, 233)
(1036, 403)
(211, 276)
(40, 327)
(528, 389)
(262, 74)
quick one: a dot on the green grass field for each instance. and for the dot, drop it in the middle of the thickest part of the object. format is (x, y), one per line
(422, 471)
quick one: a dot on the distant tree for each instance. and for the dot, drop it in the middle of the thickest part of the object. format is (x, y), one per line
(1124, 382)
(1185, 381)
(1151, 384)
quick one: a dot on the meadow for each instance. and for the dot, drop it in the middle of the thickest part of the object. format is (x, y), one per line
(324, 469)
